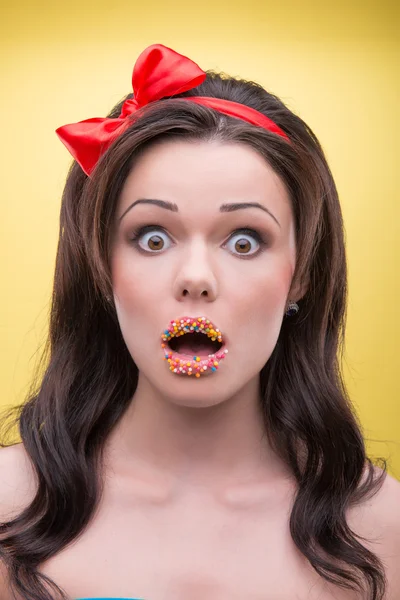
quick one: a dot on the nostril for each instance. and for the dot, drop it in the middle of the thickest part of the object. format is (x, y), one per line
(203, 293)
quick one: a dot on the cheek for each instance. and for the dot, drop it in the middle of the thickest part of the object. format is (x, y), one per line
(260, 308)
(272, 293)
(133, 287)
(137, 279)
(264, 296)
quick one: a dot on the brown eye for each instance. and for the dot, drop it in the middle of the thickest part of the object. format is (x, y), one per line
(151, 240)
(246, 242)
(155, 242)
(243, 246)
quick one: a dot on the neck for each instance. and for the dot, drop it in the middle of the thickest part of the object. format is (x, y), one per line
(214, 446)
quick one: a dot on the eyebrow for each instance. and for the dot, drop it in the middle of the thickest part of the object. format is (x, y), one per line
(223, 208)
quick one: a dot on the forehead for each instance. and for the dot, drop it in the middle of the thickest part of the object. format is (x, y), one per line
(200, 176)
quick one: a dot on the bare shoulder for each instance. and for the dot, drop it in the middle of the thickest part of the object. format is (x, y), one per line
(382, 510)
(17, 481)
(17, 489)
(378, 521)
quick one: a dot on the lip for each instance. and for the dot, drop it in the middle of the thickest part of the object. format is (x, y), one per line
(187, 364)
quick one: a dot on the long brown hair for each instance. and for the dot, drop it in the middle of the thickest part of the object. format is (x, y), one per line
(89, 377)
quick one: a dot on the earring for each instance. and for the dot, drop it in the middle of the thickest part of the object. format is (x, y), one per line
(292, 309)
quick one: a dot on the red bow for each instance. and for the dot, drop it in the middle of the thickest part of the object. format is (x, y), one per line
(159, 72)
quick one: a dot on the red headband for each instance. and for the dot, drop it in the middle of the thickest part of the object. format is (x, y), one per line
(159, 72)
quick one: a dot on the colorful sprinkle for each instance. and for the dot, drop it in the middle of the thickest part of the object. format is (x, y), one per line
(198, 366)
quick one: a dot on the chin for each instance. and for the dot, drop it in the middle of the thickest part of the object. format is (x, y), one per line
(186, 391)
(205, 392)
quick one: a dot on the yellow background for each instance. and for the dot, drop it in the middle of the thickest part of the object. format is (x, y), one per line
(335, 64)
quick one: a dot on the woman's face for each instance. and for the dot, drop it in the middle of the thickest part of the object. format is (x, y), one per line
(199, 252)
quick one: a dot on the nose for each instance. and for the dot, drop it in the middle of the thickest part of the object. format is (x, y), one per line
(196, 279)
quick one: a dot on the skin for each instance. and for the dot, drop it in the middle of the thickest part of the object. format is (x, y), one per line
(195, 503)
(206, 431)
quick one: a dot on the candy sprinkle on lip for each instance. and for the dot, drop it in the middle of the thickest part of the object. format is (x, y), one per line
(192, 365)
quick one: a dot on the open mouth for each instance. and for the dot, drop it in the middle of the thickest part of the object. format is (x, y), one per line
(194, 343)
(193, 346)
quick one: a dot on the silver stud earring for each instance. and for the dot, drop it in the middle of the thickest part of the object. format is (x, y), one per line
(292, 309)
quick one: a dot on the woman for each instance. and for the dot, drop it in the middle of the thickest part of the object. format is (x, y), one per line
(191, 437)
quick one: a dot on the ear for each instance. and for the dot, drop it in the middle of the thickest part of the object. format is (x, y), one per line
(298, 289)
